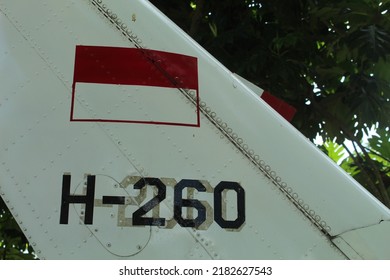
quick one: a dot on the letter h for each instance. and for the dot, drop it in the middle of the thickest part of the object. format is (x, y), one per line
(87, 199)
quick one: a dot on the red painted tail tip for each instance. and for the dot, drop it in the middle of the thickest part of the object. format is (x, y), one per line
(285, 110)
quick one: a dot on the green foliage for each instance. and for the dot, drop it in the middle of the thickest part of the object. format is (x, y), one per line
(367, 168)
(335, 151)
(380, 143)
(339, 155)
(13, 243)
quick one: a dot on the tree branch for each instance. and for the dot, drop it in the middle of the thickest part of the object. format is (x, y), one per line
(370, 185)
(377, 154)
(382, 187)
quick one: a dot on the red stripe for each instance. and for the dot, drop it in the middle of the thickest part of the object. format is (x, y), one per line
(285, 110)
(129, 66)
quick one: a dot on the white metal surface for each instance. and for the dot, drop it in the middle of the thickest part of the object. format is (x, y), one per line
(366, 242)
(296, 199)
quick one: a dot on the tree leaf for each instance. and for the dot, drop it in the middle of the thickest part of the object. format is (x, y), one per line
(335, 151)
(381, 142)
(372, 41)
